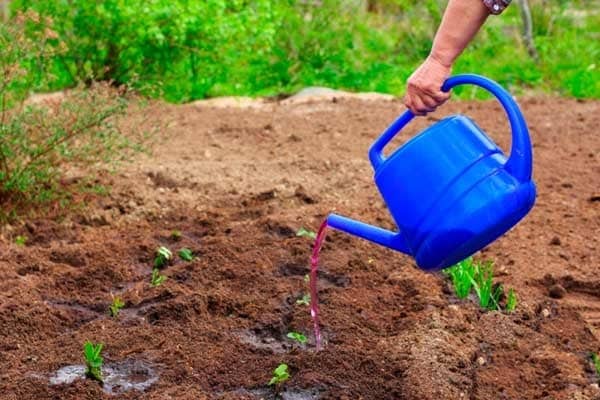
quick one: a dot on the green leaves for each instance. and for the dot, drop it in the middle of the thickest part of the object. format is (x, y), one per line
(280, 374)
(116, 307)
(162, 257)
(462, 277)
(302, 232)
(468, 275)
(156, 279)
(304, 300)
(93, 360)
(596, 363)
(186, 254)
(300, 338)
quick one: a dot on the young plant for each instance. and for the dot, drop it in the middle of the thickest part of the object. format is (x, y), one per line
(115, 307)
(302, 232)
(93, 360)
(304, 300)
(462, 277)
(156, 279)
(511, 300)
(280, 374)
(20, 240)
(488, 293)
(596, 363)
(300, 338)
(163, 257)
(176, 235)
(186, 254)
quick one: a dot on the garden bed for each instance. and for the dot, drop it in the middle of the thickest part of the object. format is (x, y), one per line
(238, 182)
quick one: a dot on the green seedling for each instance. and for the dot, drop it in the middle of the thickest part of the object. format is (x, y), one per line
(156, 279)
(300, 338)
(93, 360)
(116, 307)
(280, 374)
(162, 258)
(302, 232)
(596, 363)
(305, 300)
(306, 278)
(488, 293)
(20, 240)
(176, 234)
(462, 275)
(186, 254)
(511, 300)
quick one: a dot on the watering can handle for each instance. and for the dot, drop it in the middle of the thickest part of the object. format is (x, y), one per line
(519, 163)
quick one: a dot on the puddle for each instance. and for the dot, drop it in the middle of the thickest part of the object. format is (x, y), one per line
(118, 377)
(264, 341)
(269, 394)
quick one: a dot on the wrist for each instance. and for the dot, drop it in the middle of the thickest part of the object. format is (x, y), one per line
(442, 59)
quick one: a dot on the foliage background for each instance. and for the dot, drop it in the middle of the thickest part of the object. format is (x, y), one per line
(184, 50)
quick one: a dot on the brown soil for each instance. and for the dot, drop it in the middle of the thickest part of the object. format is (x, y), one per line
(238, 181)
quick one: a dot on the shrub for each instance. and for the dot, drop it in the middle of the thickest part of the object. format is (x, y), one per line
(40, 141)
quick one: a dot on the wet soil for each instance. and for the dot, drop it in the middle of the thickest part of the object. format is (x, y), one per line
(238, 181)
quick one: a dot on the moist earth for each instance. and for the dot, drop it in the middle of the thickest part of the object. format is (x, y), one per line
(238, 179)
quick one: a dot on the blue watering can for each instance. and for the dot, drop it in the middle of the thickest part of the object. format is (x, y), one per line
(450, 189)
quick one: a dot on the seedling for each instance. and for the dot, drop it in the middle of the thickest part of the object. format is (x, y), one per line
(305, 300)
(596, 363)
(511, 300)
(156, 279)
(306, 278)
(115, 307)
(93, 361)
(300, 338)
(306, 233)
(488, 293)
(176, 235)
(162, 258)
(280, 374)
(462, 277)
(20, 240)
(186, 254)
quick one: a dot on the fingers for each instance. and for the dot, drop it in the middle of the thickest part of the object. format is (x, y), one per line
(423, 91)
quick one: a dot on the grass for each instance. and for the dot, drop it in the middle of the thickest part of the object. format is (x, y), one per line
(93, 361)
(596, 364)
(462, 277)
(470, 276)
(116, 307)
(280, 375)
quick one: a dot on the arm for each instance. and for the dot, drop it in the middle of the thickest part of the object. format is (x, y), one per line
(460, 23)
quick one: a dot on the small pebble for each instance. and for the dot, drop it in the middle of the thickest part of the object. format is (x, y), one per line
(545, 313)
(557, 291)
(555, 241)
(481, 361)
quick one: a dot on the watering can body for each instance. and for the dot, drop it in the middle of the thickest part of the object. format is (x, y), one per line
(450, 190)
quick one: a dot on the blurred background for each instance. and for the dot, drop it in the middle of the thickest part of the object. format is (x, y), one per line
(183, 50)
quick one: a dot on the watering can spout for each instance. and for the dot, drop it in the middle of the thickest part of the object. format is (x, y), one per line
(392, 240)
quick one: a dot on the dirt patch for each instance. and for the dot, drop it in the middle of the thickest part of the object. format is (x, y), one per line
(237, 183)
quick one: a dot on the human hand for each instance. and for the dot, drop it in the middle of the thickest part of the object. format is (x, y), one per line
(424, 87)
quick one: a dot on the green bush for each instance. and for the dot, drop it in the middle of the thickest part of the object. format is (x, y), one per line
(193, 49)
(40, 139)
